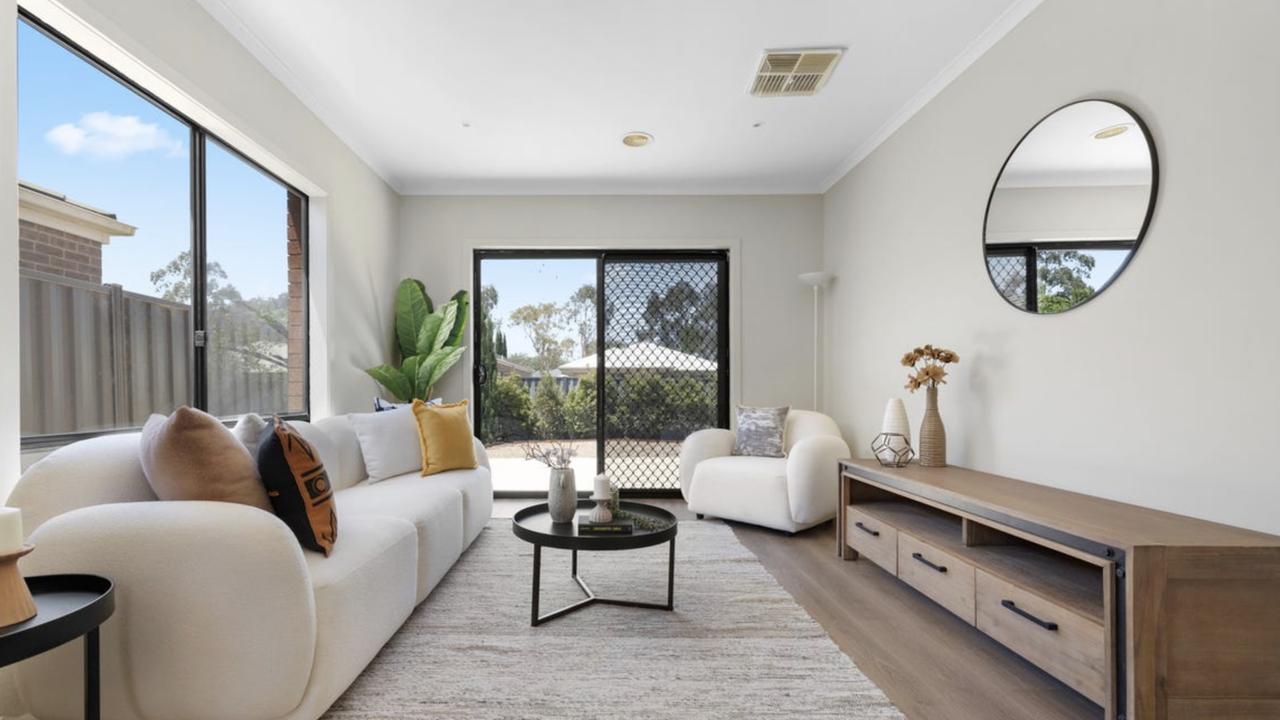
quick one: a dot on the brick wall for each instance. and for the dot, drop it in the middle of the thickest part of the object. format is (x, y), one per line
(55, 252)
(297, 310)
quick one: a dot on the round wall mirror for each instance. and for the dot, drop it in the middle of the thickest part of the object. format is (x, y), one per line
(1070, 206)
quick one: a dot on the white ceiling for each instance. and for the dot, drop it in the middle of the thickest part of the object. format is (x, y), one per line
(1062, 150)
(549, 87)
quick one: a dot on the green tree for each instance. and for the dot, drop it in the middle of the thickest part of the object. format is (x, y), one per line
(543, 323)
(580, 408)
(1062, 276)
(512, 408)
(580, 314)
(683, 318)
(548, 409)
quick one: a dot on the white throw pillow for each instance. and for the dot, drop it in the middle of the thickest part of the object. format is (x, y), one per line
(389, 442)
(248, 430)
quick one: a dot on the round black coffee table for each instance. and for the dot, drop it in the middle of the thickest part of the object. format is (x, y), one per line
(533, 525)
(67, 606)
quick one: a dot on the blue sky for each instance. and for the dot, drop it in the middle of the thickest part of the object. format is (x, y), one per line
(82, 134)
(526, 282)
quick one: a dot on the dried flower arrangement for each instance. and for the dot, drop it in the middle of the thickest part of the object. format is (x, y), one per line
(928, 365)
(554, 454)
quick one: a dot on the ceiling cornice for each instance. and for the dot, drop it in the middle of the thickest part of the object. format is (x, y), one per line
(1007, 21)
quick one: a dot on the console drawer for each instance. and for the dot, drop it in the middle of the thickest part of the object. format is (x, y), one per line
(944, 578)
(1065, 644)
(873, 539)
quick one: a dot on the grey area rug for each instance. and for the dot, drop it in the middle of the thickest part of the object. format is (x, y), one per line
(736, 646)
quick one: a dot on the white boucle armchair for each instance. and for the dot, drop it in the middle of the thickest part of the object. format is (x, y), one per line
(791, 493)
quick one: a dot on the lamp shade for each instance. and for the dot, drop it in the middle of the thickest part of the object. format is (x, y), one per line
(817, 279)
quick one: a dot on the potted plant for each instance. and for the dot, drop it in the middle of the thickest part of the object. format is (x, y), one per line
(429, 341)
(928, 365)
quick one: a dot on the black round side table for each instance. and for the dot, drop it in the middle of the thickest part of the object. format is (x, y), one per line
(68, 606)
(533, 525)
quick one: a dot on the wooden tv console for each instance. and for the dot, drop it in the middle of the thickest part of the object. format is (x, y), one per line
(1150, 615)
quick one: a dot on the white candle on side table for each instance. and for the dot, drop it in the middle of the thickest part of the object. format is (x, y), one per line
(11, 536)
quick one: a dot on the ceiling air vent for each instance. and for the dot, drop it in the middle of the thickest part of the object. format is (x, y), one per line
(793, 73)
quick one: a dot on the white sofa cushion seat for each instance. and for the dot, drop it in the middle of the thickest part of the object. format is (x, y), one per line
(214, 593)
(364, 591)
(435, 510)
(476, 487)
(748, 489)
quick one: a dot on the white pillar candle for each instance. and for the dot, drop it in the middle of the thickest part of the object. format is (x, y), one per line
(10, 531)
(602, 486)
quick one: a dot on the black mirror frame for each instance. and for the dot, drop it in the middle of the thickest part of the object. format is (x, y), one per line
(1146, 220)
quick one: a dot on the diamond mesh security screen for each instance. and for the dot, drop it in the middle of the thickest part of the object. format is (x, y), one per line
(665, 342)
(1009, 272)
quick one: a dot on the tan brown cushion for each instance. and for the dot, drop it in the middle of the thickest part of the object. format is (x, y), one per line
(191, 455)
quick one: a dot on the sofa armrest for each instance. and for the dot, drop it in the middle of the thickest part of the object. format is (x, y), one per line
(811, 478)
(482, 455)
(215, 615)
(699, 446)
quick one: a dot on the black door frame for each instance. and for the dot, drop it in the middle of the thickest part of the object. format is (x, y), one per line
(603, 257)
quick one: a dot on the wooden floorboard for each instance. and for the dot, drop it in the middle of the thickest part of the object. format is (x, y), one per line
(931, 664)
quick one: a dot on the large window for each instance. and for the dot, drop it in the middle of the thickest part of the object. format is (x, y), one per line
(158, 267)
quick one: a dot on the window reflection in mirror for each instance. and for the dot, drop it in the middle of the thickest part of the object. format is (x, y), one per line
(1070, 207)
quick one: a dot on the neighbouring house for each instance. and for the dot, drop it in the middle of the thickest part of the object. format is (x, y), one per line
(61, 237)
(640, 356)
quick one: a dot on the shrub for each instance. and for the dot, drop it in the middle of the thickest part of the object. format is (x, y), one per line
(508, 405)
(580, 409)
(548, 409)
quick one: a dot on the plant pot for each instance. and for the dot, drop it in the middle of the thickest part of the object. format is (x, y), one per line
(562, 495)
(933, 436)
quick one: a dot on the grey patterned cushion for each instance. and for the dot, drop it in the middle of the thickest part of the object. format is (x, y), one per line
(760, 431)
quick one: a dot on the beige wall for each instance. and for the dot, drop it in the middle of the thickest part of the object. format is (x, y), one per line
(778, 238)
(1159, 392)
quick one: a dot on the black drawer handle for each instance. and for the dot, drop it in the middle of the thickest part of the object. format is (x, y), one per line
(939, 568)
(866, 529)
(1009, 605)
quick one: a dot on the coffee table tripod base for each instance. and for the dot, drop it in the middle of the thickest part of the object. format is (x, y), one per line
(593, 599)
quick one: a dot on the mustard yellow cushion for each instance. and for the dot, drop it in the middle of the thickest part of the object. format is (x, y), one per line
(445, 435)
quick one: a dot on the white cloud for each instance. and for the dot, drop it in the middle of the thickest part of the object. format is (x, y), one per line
(108, 136)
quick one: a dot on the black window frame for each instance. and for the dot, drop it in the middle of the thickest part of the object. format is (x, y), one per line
(602, 256)
(199, 136)
(1030, 253)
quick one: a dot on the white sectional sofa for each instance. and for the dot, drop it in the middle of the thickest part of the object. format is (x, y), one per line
(220, 614)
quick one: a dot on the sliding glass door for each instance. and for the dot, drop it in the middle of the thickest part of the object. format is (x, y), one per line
(541, 379)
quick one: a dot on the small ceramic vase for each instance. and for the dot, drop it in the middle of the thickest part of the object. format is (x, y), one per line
(562, 495)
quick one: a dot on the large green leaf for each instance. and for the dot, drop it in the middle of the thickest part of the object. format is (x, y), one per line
(425, 369)
(448, 357)
(428, 333)
(412, 307)
(391, 379)
(459, 327)
(409, 372)
(449, 318)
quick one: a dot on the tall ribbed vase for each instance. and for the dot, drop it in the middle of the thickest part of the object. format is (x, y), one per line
(933, 436)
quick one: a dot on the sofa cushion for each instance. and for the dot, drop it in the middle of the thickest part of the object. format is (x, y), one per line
(340, 449)
(476, 486)
(761, 431)
(444, 434)
(389, 442)
(298, 486)
(364, 592)
(90, 472)
(748, 489)
(191, 455)
(434, 509)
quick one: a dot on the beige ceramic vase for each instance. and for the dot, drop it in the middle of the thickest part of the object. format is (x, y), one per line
(933, 436)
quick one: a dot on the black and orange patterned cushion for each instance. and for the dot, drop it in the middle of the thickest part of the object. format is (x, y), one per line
(298, 486)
